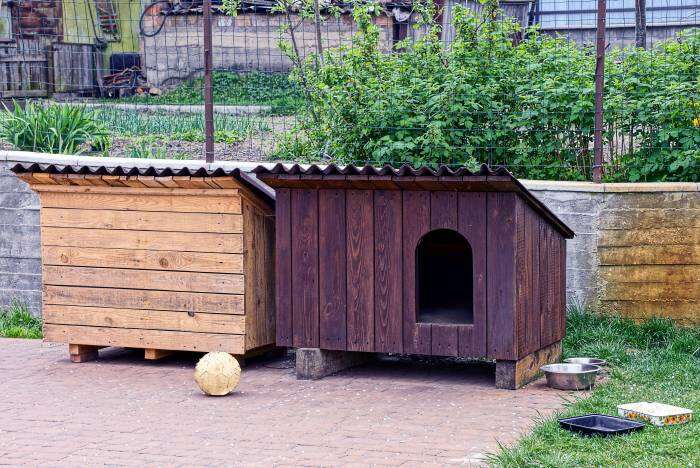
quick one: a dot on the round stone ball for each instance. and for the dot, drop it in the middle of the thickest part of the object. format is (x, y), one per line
(217, 373)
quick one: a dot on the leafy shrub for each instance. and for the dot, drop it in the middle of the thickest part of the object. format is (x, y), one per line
(488, 98)
(54, 128)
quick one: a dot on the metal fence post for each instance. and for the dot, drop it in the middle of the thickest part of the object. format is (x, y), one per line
(599, 82)
(208, 92)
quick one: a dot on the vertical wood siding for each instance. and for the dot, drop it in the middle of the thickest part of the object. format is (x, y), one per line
(349, 256)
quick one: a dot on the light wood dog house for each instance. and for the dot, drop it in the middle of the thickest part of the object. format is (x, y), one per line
(158, 259)
(443, 263)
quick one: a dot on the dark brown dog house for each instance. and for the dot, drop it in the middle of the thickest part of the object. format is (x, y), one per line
(442, 263)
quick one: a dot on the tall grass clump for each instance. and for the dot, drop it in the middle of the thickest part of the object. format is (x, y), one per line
(53, 128)
(17, 322)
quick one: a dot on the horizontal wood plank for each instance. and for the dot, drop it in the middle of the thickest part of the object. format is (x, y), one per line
(136, 338)
(656, 236)
(685, 312)
(147, 199)
(144, 299)
(651, 292)
(650, 218)
(143, 240)
(651, 274)
(650, 255)
(143, 279)
(144, 319)
(142, 259)
(142, 220)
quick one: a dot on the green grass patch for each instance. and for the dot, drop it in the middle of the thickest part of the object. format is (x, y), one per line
(236, 89)
(653, 361)
(17, 322)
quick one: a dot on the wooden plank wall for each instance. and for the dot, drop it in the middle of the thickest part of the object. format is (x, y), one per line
(540, 298)
(74, 68)
(259, 261)
(346, 269)
(23, 69)
(152, 268)
(649, 254)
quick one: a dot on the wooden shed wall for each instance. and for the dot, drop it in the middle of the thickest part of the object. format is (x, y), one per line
(165, 268)
(346, 270)
(540, 282)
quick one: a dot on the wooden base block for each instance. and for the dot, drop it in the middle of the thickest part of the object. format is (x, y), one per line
(315, 363)
(514, 374)
(83, 353)
(152, 354)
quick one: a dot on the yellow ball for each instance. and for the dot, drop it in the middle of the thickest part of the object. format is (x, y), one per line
(217, 373)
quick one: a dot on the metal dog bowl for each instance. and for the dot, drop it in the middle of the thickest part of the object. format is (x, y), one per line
(570, 376)
(586, 360)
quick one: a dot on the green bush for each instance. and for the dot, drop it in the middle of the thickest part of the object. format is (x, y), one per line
(488, 98)
(54, 128)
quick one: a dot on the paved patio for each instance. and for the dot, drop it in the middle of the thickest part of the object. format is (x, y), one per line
(122, 410)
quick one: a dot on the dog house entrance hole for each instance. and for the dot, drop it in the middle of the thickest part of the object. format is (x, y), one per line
(444, 278)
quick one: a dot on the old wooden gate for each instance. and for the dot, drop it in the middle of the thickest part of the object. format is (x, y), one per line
(34, 68)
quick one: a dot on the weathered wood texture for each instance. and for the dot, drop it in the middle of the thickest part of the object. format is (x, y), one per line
(514, 374)
(649, 250)
(259, 241)
(23, 69)
(346, 272)
(540, 303)
(181, 268)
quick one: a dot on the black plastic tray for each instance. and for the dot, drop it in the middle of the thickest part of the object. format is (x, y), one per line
(600, 424)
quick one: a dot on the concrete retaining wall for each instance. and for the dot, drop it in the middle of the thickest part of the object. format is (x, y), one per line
(636, 250)
(637, 246)
(20, 265)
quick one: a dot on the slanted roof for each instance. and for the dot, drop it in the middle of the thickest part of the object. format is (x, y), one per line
(406, 177)
(248, 181)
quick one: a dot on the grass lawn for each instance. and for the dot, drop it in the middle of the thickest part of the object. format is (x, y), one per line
(654, 361)
(17, 322)
(240, 89)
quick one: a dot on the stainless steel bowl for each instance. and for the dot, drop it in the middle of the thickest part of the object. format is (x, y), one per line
(570, 376)
(586, 360)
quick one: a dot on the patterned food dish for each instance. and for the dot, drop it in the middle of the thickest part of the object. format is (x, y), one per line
(658, 414)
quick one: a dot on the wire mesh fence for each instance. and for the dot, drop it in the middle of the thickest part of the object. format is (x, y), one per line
(453, 82)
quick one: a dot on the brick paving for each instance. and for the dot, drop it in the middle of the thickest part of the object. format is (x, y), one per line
(122, 410)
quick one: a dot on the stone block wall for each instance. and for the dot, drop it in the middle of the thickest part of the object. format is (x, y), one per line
(249, 41)
(20, 250)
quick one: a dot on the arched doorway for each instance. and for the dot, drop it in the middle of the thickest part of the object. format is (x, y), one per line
(444, 278)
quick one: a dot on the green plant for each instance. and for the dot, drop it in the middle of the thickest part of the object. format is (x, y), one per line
(53, 128)
(178, 125)
(652, 361)
(526, 104)
(17, 322)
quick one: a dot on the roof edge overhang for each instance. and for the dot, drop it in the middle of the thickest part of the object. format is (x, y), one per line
(406, 177)
(139, 169)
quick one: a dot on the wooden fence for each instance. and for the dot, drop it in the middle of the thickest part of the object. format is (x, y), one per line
(23, 69)
(36, 68)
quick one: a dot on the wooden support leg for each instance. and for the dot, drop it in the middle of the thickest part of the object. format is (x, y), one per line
(314, 363)
(83, 353)
(152, 354)
(514, 374)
